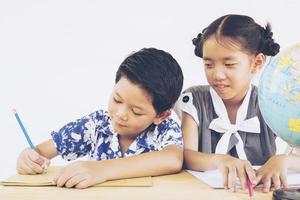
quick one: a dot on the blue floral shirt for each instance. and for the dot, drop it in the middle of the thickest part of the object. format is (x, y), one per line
(93, 135)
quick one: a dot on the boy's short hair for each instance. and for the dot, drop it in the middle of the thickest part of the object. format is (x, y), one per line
(157, 72)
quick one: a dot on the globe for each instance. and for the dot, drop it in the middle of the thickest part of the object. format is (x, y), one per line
(279, 95)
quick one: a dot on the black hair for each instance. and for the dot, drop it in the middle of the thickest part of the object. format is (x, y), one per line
(241, 29)
(157, 72)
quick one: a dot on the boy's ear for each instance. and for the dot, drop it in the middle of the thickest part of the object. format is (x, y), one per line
(161, 117)
(258, 63)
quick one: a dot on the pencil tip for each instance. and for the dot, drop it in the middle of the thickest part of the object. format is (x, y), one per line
(14, 110)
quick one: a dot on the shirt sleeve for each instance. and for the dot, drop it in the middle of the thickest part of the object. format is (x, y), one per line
(170, 133)
(185, 104)
(74, 140)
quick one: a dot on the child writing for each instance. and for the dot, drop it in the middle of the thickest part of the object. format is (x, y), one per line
(221, 123)
(135, 137)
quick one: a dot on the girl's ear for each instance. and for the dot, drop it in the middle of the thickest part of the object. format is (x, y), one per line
(161, 117)
(258, 63)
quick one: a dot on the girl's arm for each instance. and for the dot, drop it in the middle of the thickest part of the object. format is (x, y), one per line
(273, 172)
(230, 167)
(192, 158)
(294, 162)
(83, 174)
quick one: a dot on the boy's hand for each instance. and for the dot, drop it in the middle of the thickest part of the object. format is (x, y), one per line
(234, 169)
(30, 162)
(273, 171)
(82, 174)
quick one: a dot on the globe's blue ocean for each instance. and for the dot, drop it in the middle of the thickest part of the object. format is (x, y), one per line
(279, 95)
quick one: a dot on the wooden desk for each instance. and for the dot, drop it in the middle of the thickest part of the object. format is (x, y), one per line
(180, 186)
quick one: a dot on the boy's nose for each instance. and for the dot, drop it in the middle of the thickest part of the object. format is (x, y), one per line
(121, 114)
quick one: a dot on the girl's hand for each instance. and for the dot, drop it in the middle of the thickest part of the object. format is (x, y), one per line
(82, 174)
(233, 169)
(273, 171)
(31, 162)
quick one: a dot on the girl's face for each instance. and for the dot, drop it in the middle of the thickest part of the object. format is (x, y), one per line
(228, 69)
(130, 109)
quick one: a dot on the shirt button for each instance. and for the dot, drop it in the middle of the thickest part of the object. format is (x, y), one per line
(185, 99)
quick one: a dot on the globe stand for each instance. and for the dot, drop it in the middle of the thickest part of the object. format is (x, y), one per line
(291, 151)
(289, 194)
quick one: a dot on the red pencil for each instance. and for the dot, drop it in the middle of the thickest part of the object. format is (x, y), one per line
(250, 187)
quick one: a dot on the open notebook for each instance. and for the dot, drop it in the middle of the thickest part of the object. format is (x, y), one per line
(214, 178)
(45, 179)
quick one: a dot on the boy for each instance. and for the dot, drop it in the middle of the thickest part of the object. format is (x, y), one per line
(135, 137)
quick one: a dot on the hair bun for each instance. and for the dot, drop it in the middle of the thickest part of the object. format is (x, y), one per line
(196, 41)
(269, 47)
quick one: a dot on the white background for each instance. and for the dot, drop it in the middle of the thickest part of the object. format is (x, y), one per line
(58, 58)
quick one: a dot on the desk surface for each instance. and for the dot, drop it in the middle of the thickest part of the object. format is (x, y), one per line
(180, 186)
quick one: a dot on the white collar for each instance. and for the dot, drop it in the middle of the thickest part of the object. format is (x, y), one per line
(221, 111)
(222, 124)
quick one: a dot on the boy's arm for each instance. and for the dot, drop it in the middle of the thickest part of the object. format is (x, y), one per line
(83, 174)
(47, 149)
(166, 161)
(36, 161)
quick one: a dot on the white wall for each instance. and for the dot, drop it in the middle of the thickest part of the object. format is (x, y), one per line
(58, 58)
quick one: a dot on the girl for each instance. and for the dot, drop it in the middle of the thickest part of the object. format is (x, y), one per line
(222, 124)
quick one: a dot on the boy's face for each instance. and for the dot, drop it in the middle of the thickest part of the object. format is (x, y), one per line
(130, 109)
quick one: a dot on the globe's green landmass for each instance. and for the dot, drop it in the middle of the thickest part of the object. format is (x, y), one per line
(279, 95)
